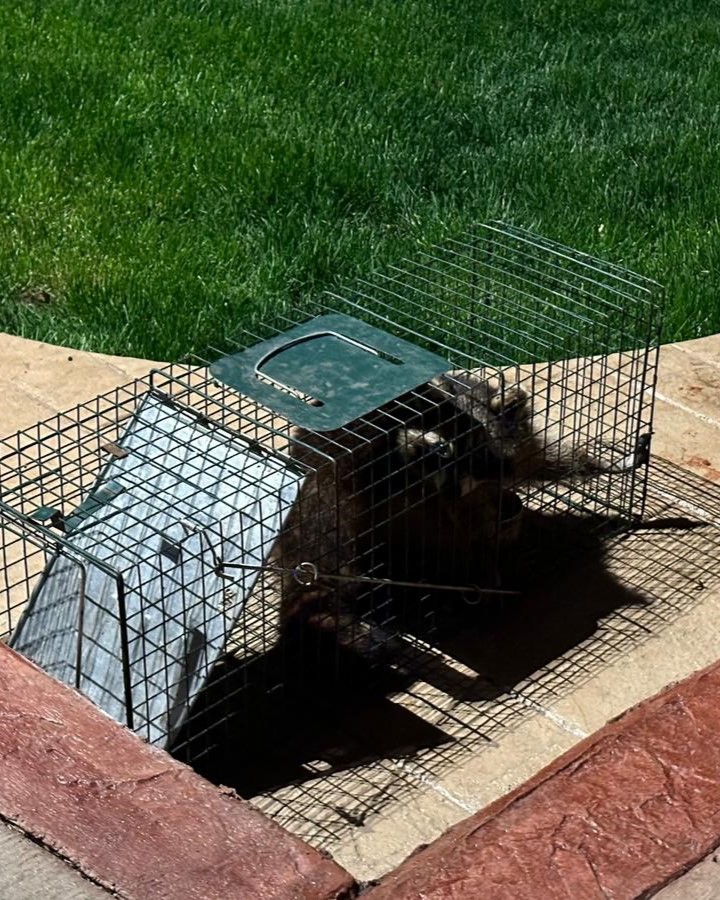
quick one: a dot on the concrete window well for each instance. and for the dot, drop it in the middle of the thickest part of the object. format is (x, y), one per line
(370, 568)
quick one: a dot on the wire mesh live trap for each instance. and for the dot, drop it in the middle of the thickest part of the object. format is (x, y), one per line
(354, 477)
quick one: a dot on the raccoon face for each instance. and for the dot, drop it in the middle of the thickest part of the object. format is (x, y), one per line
(427, 457)
(473, 434)
(414, 444)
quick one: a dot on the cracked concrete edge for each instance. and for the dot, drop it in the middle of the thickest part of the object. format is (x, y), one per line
(621, 814)
(129, 816)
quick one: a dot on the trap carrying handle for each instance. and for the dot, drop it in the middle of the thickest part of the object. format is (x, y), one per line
(328, 371)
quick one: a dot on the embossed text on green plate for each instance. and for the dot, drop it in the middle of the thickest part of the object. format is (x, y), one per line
(328, 371)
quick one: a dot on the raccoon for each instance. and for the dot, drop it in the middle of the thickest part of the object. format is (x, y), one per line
(527, 443)
(415, 492)
(361, 476)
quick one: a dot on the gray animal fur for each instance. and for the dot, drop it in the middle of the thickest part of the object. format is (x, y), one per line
(401, 475)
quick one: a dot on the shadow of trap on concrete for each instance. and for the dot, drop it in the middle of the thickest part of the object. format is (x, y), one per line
(323, 754)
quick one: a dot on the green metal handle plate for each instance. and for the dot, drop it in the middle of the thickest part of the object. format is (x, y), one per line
(328, 371)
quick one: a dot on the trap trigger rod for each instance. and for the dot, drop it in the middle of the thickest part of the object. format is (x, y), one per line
(307, 574)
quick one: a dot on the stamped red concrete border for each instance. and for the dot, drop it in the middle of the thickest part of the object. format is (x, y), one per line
(620, 815)
(131, 817)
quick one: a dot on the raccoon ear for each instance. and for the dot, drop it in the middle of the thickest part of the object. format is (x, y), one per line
(495, 386)
(407, 443)
(468, 392)
(459, 381)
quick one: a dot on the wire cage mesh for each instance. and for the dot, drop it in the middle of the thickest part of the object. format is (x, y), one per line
(184, 552)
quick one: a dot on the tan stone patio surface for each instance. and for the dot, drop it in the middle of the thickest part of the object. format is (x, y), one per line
(495, 708)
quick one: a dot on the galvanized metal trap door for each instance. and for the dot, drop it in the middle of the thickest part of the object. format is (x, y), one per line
(133, 602)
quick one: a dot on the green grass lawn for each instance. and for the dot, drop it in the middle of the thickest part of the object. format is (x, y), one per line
(167, 167)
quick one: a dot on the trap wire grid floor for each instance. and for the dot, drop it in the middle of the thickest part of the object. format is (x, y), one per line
(371, 815)
(388, 774)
